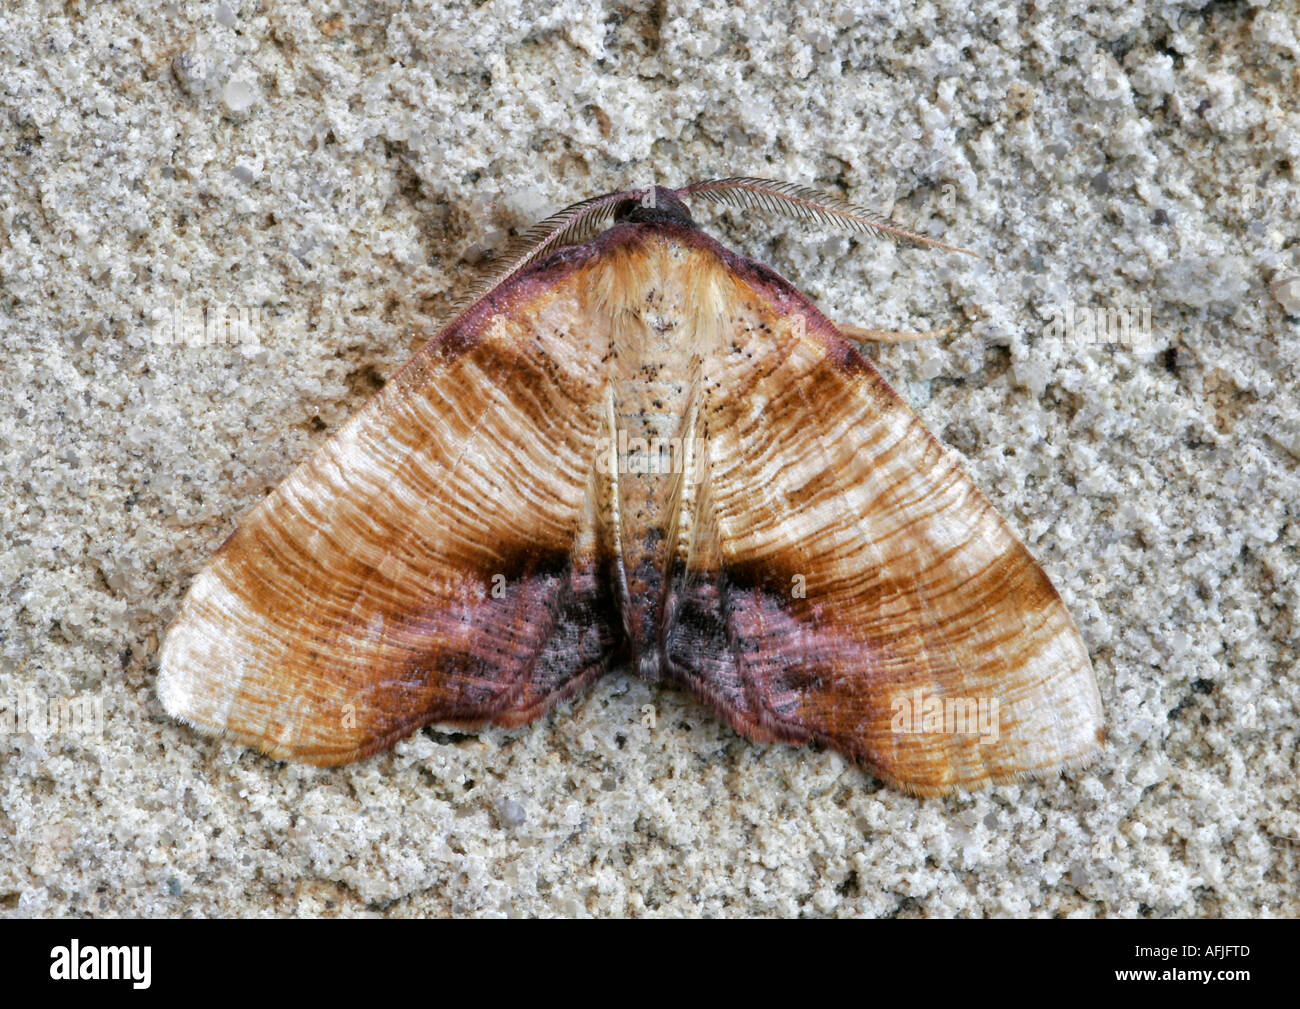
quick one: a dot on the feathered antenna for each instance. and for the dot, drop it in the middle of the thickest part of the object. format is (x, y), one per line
(574, 223)
(799, 201)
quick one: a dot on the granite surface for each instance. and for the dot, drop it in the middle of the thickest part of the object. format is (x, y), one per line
(337, 171)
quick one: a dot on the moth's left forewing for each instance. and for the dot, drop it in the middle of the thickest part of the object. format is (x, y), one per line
(851, 584)
(434, 561)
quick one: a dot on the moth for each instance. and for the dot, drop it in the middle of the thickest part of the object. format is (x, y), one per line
(637, 447)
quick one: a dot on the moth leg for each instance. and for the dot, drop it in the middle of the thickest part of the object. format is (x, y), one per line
(889, 335)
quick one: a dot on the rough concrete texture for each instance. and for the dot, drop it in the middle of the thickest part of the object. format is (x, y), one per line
(340, 168)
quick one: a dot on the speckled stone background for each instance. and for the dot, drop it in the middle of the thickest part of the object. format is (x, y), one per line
(338, 169)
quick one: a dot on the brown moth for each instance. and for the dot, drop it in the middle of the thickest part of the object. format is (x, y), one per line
(640, 447)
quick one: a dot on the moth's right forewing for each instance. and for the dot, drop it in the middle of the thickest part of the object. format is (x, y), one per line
(848, 577)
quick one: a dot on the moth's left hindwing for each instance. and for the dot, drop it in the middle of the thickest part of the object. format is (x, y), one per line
(436, 560)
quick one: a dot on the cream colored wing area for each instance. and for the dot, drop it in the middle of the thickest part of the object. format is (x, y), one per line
(852, 585)
(436, 560)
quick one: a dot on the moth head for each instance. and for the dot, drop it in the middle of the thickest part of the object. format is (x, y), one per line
(655, 205)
